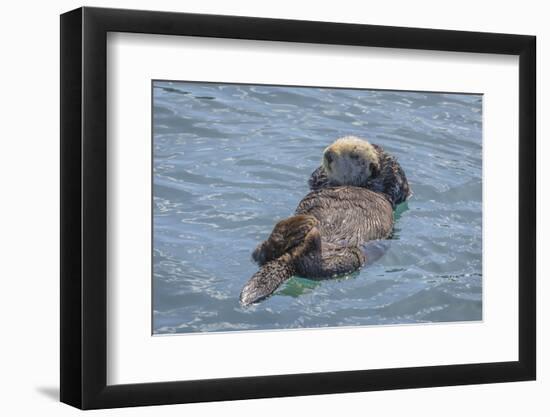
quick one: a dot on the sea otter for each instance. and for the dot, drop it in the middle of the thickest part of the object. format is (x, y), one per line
(351, 202)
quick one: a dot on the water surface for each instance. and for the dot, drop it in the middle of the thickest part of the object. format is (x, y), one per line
(232, 160)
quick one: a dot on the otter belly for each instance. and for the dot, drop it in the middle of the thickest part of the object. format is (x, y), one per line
(349, 216)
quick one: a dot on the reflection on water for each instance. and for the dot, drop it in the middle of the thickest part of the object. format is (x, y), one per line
(231, 160)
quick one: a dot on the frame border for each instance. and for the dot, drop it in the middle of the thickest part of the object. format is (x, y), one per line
(83, 152)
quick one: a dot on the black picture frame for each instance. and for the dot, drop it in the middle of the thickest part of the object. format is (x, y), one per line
(84, 207)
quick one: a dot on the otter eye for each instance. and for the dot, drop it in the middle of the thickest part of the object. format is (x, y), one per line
(354, 156)
(329, 157)
(373, 170)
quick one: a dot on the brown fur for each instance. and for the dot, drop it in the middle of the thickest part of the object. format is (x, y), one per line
(351, 203)
(385, 176)
(322, 240)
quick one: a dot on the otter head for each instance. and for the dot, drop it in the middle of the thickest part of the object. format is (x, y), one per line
(350, 161)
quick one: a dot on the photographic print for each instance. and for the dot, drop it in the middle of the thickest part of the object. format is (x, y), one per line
(293, 207)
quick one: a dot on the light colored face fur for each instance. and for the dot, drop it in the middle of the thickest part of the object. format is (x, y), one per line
(350, 161)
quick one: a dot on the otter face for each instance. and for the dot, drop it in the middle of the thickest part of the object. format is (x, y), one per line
(350, 161)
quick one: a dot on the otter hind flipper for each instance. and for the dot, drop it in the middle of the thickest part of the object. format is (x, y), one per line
(287, 235)
(264, 282)
(291, 239)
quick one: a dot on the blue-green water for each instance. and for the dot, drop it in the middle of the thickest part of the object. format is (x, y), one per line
(232, 160)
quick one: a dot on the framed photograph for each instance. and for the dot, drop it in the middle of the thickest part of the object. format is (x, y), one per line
(256, 207)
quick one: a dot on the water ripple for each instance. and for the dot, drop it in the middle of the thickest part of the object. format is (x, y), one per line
(231, 160)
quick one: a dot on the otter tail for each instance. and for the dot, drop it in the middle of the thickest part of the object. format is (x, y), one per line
(264, 282)
(290, 239)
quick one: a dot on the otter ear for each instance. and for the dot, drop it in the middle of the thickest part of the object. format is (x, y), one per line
(374, 169)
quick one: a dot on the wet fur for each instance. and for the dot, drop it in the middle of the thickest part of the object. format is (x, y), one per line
(331, 224)
(322, 240)
(387, 178)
